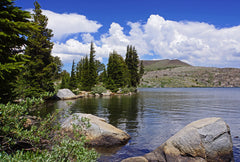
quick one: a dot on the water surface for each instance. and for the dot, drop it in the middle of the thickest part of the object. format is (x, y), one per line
(155, 114)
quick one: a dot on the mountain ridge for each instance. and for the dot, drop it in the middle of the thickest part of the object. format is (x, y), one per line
(185, 75)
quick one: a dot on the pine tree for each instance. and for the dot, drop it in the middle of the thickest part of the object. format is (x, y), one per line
(117, 71)
(73, 79)
(134, 72)
(79, 70)
(41, 68)
(92, 68)
(59, 65)
(14, 31)
(141, 71)
(103, 77)
(132, 62)
(85, 75)
(65, 79)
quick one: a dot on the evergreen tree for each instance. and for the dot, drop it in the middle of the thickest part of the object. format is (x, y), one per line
(134, 72)
(85, 75)
(65, 79)
(14, 31)
(59, 65)
(132, 62)
(79, 70)
(92, 68)
(73, 79)
(117, 71)
(41, 68)
(103, 77)
(141, 71)
(99, 66)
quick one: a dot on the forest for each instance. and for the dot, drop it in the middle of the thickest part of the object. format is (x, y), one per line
(29, 74)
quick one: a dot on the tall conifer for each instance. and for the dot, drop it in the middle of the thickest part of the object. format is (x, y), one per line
(116, 71)
(92, 67)
(14, 31)
(85, 75)
(73, 79)
(40, 70)
(141, 71)
(132, 62)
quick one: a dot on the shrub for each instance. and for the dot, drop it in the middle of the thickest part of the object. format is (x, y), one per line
(21, 143)
(99, 90)
(127, 90)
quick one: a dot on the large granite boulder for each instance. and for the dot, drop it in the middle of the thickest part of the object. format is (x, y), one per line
(65, 94)
(100, 133)
(205, 140)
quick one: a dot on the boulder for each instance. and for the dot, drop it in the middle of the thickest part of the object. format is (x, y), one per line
(107, 93)
(65, 94)
(100, 133)
(204, 140)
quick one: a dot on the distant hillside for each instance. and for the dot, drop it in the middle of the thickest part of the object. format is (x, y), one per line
(153, 65)
(190, 76)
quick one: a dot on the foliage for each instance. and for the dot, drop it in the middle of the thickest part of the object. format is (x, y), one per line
(13, 126)
(132, 62)
(141, 71)
(14, 134)
(41, 68)
(100, 66)
(59, 64)
(87, 71)
(73, 79)
(103, 77)
(14, 31)
(85, 75)
(126, 90)
(98, 90)
(65, 79)
(117, 72)
(92, 68)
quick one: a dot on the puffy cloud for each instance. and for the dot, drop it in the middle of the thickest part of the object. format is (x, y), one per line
(87, 38)
(197, 43)
(69, 23)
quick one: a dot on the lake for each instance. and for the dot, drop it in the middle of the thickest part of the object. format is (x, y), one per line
(155, 114)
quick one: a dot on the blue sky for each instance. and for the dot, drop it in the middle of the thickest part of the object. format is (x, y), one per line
(200, 32)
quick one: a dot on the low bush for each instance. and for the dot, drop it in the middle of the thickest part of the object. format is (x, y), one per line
(39, 141)
(99, 90)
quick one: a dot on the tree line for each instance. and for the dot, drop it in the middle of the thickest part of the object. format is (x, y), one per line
(28, 69)
(120, 72)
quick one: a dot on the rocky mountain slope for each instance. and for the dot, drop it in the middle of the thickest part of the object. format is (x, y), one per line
(153, 65)
(189, 76)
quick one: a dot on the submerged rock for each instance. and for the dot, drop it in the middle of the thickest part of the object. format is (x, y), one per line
(100, 133)
(204, 140)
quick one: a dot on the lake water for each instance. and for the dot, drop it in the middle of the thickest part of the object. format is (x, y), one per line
(155, 114)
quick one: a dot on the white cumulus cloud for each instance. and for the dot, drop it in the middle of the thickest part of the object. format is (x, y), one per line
(197, 43)
(69, 23)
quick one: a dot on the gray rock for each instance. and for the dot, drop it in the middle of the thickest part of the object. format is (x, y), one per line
(205, 140)
(107, 93)
(65, 94)
(100, 133)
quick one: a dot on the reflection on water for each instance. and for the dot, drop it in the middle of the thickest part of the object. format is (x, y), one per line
(154, 115)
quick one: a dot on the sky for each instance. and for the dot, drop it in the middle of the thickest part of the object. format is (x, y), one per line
(199, 32)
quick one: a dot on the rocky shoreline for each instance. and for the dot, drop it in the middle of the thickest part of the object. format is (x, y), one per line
(204, 140)
(66, 94)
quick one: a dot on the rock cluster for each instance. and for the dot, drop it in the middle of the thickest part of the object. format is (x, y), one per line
(205, 140)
